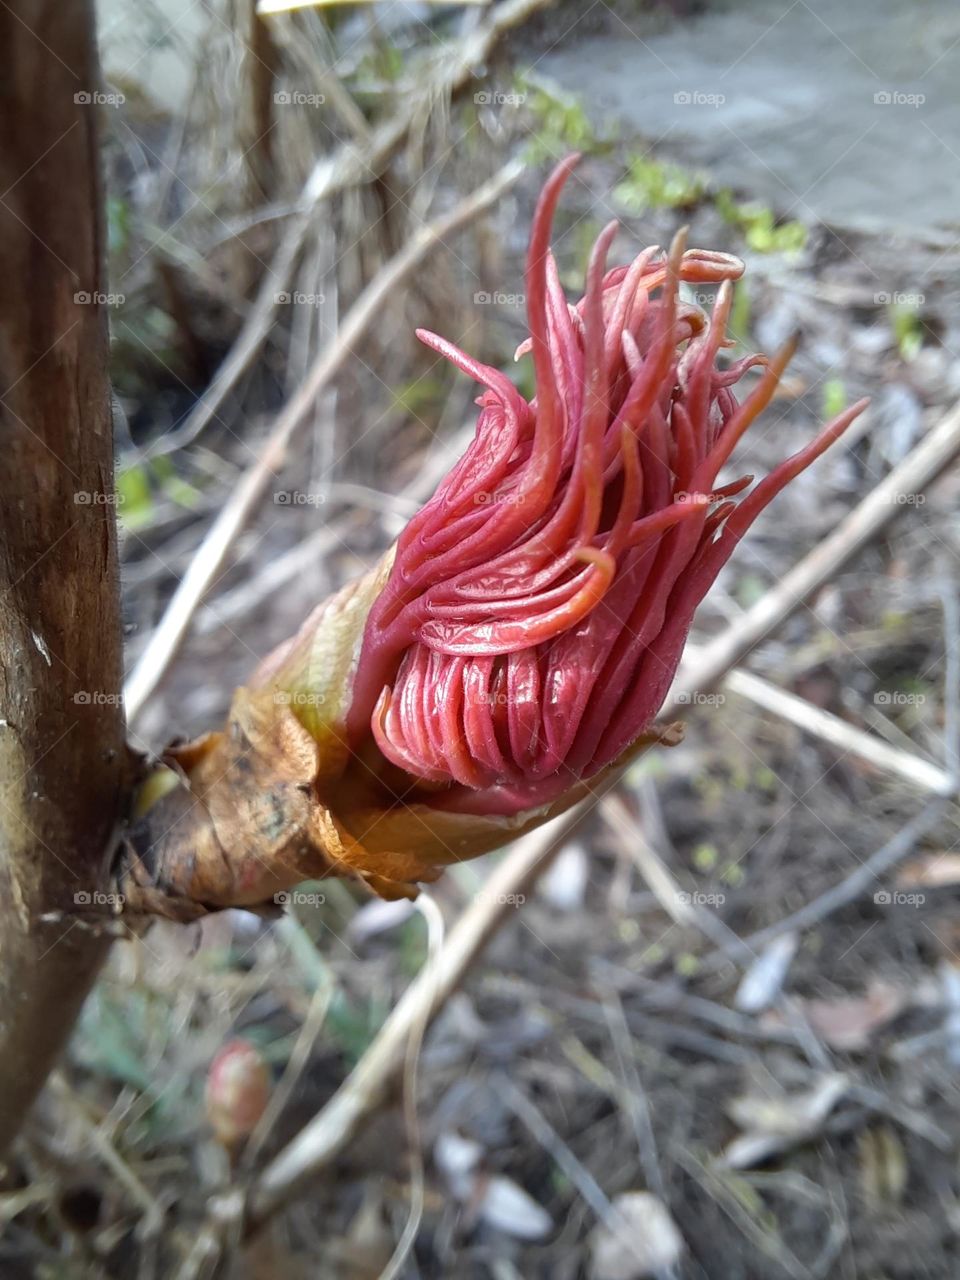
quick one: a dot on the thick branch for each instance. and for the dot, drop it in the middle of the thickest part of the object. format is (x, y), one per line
(61, 723)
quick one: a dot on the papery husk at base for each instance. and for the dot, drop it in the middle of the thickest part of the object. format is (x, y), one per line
(236, 818)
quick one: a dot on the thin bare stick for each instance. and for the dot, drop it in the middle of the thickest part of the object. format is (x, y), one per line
(543, 1131)
(366, 1087)
(864, 877)
(846, 737)
(213, 551)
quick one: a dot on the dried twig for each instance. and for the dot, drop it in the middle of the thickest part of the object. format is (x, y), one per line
(921, 773)
(213, 551)
(864, 877)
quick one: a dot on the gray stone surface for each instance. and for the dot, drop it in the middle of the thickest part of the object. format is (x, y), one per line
(842, 111)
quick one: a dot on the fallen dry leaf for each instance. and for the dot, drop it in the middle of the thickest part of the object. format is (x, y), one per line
(774, 1122)
(848, 1023)
(508, 1208)
(643, 1240)
(494, 1199)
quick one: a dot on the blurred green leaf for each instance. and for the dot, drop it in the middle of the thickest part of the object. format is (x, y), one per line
(907, 329)
(834, 397)
(759, 226)
(658, 184)
(559, 124)
(118, 226)
(173, 485)
(135, 496)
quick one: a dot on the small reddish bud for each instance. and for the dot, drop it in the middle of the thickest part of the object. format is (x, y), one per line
(237, 1092)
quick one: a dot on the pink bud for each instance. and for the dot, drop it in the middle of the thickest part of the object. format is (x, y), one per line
(238, 1089)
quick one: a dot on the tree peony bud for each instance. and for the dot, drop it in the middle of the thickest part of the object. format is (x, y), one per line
(522, 635)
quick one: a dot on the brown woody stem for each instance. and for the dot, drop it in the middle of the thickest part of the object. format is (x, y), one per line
(63, 763)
